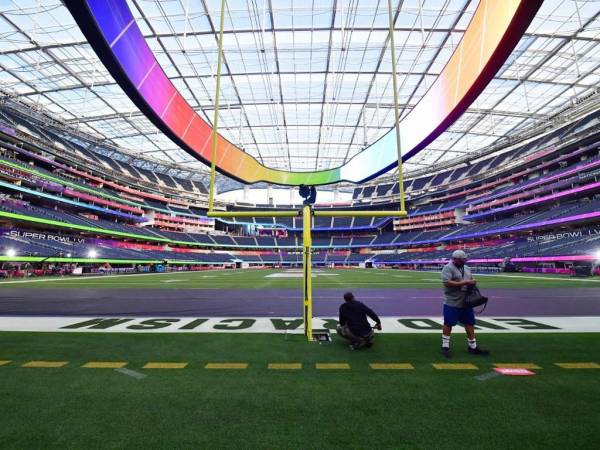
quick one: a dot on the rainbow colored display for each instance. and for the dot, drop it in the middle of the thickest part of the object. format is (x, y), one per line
(495, 29)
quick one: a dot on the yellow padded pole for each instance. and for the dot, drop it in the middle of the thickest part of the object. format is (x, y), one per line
(213, 154)
(396, 108)
(307, 266)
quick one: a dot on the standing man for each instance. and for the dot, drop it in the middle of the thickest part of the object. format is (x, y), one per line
(354, 325)
(457, 278)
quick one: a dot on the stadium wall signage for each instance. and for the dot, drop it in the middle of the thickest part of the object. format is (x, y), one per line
(493, 32)
(585, 232)
(43, 236)
(286, 324)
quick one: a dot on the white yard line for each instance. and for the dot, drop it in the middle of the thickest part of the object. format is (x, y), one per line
(95, 277)
(536, 278)
(435, 276)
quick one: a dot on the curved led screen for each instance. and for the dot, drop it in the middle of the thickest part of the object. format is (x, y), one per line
(493, 32)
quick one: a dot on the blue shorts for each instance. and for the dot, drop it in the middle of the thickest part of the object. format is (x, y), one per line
(453, 315)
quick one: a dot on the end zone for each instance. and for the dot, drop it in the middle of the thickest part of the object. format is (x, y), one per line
(577, 324)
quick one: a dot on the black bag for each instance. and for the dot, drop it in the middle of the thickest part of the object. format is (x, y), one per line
(474, 298)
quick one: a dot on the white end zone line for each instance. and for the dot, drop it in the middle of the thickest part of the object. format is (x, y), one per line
(122, 275)
(541, 277)
(544, 277)
(123, 324)
(436, 275)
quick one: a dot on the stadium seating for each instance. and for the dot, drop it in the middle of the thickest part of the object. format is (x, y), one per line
(507, 196)
(250, 258)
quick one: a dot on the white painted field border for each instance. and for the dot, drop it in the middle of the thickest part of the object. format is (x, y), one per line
(541, 277)
(96, 277)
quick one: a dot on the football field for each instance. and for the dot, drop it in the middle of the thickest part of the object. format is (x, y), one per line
(180, 360)
(292, 278)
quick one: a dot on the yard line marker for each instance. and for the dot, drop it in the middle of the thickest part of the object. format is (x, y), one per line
(233, 366)
(165, 365)
(530, 366)
(285, 366)
(131, 373)
(391, 366)
(332, 366)
(4, 362)
(45, 364)
(464, 366)
(104, 364)
(580, 365)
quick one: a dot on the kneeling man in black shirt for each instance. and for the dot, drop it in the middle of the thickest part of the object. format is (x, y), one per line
(354, 325)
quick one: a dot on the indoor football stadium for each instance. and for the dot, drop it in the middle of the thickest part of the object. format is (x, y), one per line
(299, 224)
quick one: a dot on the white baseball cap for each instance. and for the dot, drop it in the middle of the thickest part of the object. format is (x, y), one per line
(459, 254)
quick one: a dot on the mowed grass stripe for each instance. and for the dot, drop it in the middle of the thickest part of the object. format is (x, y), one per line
(391, 366)
(517, 366)
(165, 365)
(226, 366)
(455, 366)
(45, 364)
(284, 366)
(578, 365)
(104, 365)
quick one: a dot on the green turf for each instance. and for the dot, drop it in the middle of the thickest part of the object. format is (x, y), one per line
(72, 407)
(258, 279)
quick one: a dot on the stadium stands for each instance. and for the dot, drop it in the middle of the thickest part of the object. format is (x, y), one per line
(535, 193)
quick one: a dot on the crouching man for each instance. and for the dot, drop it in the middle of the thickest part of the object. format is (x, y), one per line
(354, 325)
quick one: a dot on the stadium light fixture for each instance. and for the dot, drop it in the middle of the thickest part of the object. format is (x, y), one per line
(11, 252)
(92, 253)
(69, 255)
(597, 255)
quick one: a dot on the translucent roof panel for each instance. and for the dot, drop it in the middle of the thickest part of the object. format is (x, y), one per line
(306, 85)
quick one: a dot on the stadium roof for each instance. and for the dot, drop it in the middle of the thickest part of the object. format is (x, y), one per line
(306, 84)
